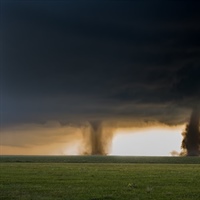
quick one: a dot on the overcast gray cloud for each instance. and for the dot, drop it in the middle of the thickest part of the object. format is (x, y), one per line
(74, 61)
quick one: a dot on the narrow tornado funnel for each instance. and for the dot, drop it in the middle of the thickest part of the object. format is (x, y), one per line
(96, 138)
(191, 140)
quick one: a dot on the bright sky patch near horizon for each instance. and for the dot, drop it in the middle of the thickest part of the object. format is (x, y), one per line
(152, 141)
(155, 141)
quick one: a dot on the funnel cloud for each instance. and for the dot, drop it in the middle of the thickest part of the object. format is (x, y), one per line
(97, 138)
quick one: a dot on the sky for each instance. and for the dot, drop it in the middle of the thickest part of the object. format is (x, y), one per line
(125, 64)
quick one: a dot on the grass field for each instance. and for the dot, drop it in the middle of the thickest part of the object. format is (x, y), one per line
(99, 178)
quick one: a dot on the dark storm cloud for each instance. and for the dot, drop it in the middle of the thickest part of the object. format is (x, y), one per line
(187, 81)
(84, 60)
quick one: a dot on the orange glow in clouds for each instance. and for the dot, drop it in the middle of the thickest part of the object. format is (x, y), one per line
(54, 139)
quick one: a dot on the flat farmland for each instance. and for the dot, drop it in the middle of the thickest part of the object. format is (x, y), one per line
(99, 177)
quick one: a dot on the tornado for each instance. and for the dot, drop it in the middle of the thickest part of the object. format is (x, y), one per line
(191, 135)
(97, 138)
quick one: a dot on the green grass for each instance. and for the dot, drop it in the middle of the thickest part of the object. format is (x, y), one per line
(82, 178)
(100, 159)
